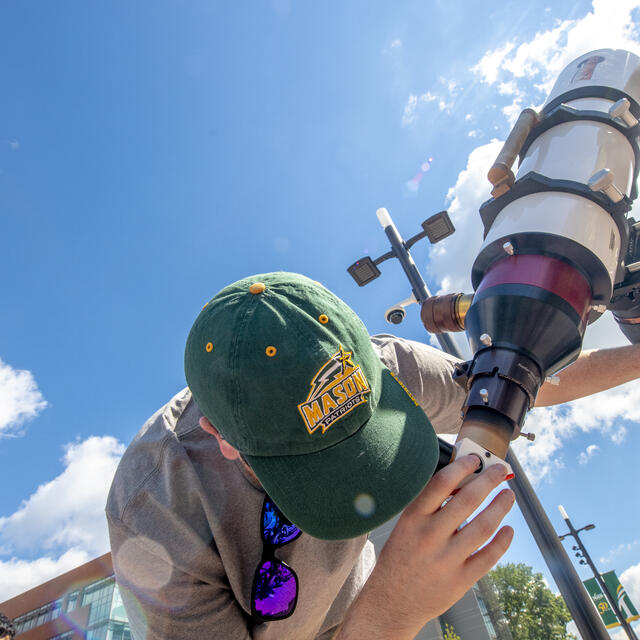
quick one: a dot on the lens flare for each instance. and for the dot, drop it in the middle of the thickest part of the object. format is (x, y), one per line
(412, 186)
(364, 504)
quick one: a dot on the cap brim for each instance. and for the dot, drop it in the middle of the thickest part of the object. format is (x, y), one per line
(361, 482)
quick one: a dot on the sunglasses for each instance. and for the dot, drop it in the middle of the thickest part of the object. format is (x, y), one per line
(274, 593)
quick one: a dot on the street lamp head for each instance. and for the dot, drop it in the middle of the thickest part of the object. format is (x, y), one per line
(363, 271)
(438, 227)
(589, 527)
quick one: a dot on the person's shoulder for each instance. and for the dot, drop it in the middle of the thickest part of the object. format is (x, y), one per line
(390, 346)
(160, 436)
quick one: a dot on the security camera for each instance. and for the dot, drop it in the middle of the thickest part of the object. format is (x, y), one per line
(396, 313)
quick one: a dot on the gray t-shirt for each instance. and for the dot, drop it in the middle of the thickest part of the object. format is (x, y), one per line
(185, 530)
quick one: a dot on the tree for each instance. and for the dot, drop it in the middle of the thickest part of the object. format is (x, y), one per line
(7, 629)
(533, 611)
(489, 595)
(450, 633)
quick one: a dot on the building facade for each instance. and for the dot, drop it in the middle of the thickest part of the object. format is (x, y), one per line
(83, 603)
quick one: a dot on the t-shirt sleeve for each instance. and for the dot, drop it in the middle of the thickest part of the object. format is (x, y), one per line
(166, 603)
(428, 374)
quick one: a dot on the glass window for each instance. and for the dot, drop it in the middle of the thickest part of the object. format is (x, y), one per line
(17, 623)
(20, 623)
(99, 595)
(42, 616)
(107, 617)
(38, 616)
(29, 623)
(29, 620)
(485, 614)
(99, 632)
(117, 607)
(72, 600)
(118, 631)
(57, 608)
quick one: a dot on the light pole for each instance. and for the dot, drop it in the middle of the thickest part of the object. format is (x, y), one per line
(585, 558)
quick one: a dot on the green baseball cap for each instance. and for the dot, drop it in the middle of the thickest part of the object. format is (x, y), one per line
(286, 372)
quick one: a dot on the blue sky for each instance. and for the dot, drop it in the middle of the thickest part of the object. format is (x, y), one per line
(151, 153)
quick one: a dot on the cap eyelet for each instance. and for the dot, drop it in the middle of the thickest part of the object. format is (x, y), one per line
(209, 347)
(270, 351)
(323, 319)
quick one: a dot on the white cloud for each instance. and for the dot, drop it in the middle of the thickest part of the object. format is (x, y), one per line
(489, 66)
(607, 25)
(512, 111)
(443, 105)
(473, 133)
(630, 580)
(624, 547)
(622, 634)
(395, 45)
(508, 88)
(604, 333)
(409, 113)
(555, 426)
(451, 85)
(451, 259)
(586, 455)
(64, 516)
(526, 71)
(413, 102)
(20, 398)
(17, 576)
(619, 435)
(428, 97)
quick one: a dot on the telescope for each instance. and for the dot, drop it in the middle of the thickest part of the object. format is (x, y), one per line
(559, 249)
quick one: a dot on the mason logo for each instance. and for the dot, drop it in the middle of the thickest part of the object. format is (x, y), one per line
(336, 389)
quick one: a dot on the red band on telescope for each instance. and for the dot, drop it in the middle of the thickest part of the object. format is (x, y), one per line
(547, 273)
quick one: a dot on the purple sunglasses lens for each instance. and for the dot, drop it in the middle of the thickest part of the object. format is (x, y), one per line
(276, 529)
(275, 590)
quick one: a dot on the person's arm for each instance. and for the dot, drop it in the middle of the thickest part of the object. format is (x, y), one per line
(427, 372)
(593, 371)
(428, 563)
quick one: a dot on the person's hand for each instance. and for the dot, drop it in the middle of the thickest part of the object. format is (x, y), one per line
(428, 563)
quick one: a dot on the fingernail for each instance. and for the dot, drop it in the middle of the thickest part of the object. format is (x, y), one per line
(498, 471)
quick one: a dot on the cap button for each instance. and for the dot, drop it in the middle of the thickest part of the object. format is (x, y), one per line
(257, 287)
